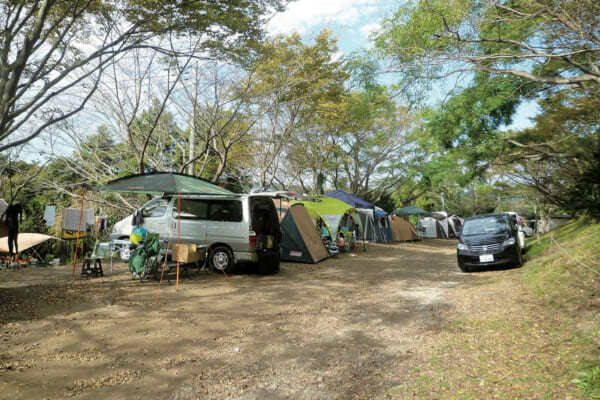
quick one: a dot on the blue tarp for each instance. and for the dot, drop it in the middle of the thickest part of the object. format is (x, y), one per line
(348, 198)
(380, 213)
(357, 202)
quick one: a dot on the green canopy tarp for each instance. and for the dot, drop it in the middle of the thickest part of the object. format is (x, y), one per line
(159, 183)
(410, 210)
(332, 211)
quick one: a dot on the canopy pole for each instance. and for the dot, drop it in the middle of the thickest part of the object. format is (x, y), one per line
(78, 232)
(178, 236)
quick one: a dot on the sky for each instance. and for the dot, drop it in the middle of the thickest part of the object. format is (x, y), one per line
(352, 20)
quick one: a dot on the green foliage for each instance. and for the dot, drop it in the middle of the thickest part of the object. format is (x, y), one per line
(589, 382)
(515, 50)
(421, 26)
(223, 24)
(562, 151)
(298, 71)
(469, 121)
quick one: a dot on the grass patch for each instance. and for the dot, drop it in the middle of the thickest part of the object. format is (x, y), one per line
(589, 381)
(532, 332)
(560, 266)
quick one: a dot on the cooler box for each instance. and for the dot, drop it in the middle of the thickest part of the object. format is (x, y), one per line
(187, 253)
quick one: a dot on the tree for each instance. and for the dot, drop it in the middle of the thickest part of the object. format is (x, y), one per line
(217, 107)
(513, 50)
(547, 42)
(560, 155)
(378, 134)
(296, 84)
(54, 51)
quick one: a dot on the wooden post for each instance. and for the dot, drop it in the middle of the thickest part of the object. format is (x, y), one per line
(78, 231)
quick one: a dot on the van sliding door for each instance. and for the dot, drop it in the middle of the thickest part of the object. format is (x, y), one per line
(192, 219)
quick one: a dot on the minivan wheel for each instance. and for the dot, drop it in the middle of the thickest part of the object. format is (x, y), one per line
(221, 259)
(124, 253)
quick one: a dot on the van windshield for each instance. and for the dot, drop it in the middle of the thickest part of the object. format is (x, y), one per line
(486, 225)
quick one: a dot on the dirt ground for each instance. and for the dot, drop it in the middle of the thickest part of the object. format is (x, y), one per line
(346, 328)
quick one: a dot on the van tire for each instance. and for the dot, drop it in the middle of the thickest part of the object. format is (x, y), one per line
(124, 254)
(221, 259)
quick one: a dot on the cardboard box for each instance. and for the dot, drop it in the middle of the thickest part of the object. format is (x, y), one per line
(187, 253)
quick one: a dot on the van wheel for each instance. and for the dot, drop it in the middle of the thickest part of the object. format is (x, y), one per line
(221, 259)
(124, 253)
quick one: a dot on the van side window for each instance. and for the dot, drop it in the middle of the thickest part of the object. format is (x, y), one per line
(225, 210)
(155, 209)
(192, 209)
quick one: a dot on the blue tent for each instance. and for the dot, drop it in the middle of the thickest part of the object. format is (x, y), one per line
(351, 199)
(374, 219)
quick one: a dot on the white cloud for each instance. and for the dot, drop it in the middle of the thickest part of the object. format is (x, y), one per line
(368, 29)
(310, 16)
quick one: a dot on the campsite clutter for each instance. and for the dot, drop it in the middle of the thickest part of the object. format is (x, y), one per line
(311, 228)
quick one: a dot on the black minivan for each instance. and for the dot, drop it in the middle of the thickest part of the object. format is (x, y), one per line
(488, 240)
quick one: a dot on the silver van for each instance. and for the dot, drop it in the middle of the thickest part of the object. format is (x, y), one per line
(235, 229)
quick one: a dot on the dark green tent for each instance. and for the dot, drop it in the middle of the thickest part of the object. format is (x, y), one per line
(300, 241)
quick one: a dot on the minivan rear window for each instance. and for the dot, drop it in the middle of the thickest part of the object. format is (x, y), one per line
(225, 210)
(212, 210)
(192, 209)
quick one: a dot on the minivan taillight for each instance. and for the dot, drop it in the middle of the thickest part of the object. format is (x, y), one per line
(252, 240)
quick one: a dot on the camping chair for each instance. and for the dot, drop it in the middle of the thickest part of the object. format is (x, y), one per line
(146, 260)
(332, 249)
(356, 240)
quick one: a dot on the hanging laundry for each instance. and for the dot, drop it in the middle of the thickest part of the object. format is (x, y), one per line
(89, 217)
(50, 215)
(73, 220)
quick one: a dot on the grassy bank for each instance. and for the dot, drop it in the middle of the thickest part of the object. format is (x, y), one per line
(527, 333)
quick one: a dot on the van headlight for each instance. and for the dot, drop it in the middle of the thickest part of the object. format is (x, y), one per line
(462, 246)
(509, 242)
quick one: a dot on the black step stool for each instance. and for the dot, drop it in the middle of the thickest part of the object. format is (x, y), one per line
(88, 270)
